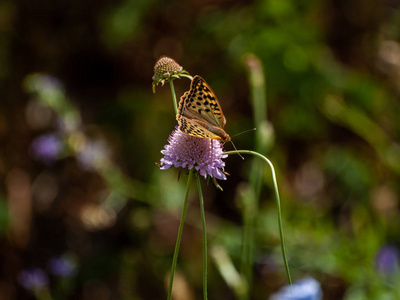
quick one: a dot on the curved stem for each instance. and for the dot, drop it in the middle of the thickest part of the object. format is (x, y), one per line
(178, 239)
(187, 76)
(278, 204)
(203, 219)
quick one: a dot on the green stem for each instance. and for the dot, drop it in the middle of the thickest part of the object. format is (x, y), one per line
(258, 97)
(187, 76)
(203, 218)
(171, 84)
(278, 204)
(248, 249)
(178, 239)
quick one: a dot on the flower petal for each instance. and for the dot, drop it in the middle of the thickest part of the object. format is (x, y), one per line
(185, 151)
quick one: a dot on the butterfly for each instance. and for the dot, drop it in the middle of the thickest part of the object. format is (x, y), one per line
(200, 114)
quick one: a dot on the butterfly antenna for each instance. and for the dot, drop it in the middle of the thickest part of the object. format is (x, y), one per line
(236, 150)
(237, 135)
(252, 129)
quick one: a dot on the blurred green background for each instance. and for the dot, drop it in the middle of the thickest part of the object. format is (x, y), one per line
(81, 131)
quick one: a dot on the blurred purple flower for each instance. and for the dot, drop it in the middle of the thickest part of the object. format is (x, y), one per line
(186, 151)
(33, 279)
(387, 259)
(93, 154)
(46, 148)
(305, 289)
(62, 266)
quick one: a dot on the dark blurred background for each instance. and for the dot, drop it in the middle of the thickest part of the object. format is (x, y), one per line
(86, 213)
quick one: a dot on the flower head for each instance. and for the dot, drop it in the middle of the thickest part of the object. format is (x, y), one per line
(164, 69)
(305, 289)
(33, 279)
(186, 151)
(62, 266)
(46, 148)
(92, 154)
(387, 259)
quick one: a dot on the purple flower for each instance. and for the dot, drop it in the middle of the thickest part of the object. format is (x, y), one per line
(387, 259)
(93, 154)
(62, 266)
(305, 289)
(186, 151)
(46, 148)
(33, 279)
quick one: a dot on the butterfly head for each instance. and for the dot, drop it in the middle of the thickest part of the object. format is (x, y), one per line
(226, 138)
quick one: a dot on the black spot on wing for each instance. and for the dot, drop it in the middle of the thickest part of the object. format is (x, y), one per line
(209, 97)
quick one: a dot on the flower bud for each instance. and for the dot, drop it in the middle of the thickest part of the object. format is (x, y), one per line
(164, 69)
